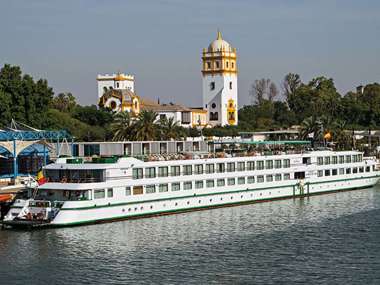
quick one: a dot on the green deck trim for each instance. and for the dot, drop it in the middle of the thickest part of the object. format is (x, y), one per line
(157, 213)
(212, 194)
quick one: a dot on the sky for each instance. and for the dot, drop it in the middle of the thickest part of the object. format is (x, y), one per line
(160, 42)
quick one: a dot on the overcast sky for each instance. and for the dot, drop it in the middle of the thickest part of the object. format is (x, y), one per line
(160, 42)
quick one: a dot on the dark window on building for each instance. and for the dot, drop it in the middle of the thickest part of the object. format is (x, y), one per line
(213, 105)
(75, 150)
(212, 85)
(230, 84)
(186, 117)
(91, 149)
(213, 116)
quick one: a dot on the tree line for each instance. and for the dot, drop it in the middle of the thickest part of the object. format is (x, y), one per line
(316, 106)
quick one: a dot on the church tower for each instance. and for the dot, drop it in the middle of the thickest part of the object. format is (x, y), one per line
(219, 72)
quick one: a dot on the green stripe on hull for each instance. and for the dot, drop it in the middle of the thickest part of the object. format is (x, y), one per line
(125, 217)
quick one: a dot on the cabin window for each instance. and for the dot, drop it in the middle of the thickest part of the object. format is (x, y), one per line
(286, 176)
(230, 167)
(341, 159)
(163, 188)
(109, 192)
(348, 158)
(220, 167)
(176, 186)
(221, 182)
(210, 168)
(198, 169)
(368, 169)
(231, 181)
(210, 183)
(127, 191)
(260, 165)
(269, 178)
(199, 184)
(99, 194)
(327, 160)
(341, 171)
(241, 180)
(277, 177)
(320, 173)
(360, 157)
(327, 172)
(355, 170)
(269, 164)
(175, 170)
(187, 170)
(334, 160)
(137, 173)
(354, 158)
(241, 166)
(75, 175)
(348, 170)
(187, 185)
(250, 165)
(277, 163)
(163, 171)
(286, 163)
(320, 160)
(251, 179)
(361, 169)
(138, 190)
(334, 172)
(260, 179)
(149, 189)
(150, 172)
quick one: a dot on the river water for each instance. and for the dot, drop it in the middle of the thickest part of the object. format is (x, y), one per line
(327, 239)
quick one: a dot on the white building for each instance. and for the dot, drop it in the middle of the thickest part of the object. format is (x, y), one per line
(119, 81)
(220, 97)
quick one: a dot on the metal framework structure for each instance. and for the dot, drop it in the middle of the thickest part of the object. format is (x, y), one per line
(11, 135)
(19, 133)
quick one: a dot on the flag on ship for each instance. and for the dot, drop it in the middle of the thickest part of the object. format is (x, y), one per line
(41, 179)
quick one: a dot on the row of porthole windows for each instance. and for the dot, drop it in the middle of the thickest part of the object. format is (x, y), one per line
(209, 168)
(199, 202)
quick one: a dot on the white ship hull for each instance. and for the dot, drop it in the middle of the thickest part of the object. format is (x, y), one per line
(130, 188)
(197, 201)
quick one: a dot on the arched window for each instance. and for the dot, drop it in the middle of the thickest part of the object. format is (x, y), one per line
(117, 84)
(113, 105)
(213, 116)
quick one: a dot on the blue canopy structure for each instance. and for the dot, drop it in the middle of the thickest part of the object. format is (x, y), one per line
(22, 139)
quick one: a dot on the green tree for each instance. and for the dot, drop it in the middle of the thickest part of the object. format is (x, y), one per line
(64, 102)
(122, 127)
(170, 129)
(146, 126)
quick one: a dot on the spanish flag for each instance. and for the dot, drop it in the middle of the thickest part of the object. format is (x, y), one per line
(41, 178)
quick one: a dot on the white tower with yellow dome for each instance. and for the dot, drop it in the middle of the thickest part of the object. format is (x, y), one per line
(220, 97)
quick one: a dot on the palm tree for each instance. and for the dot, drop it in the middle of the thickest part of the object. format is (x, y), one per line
(122, 127)
(170, 129)
(312, 125)
(146, 127)
(341, 136)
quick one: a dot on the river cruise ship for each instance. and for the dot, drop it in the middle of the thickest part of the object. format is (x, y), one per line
(106, 189)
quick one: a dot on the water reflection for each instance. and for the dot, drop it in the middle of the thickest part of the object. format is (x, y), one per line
(325, 238)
